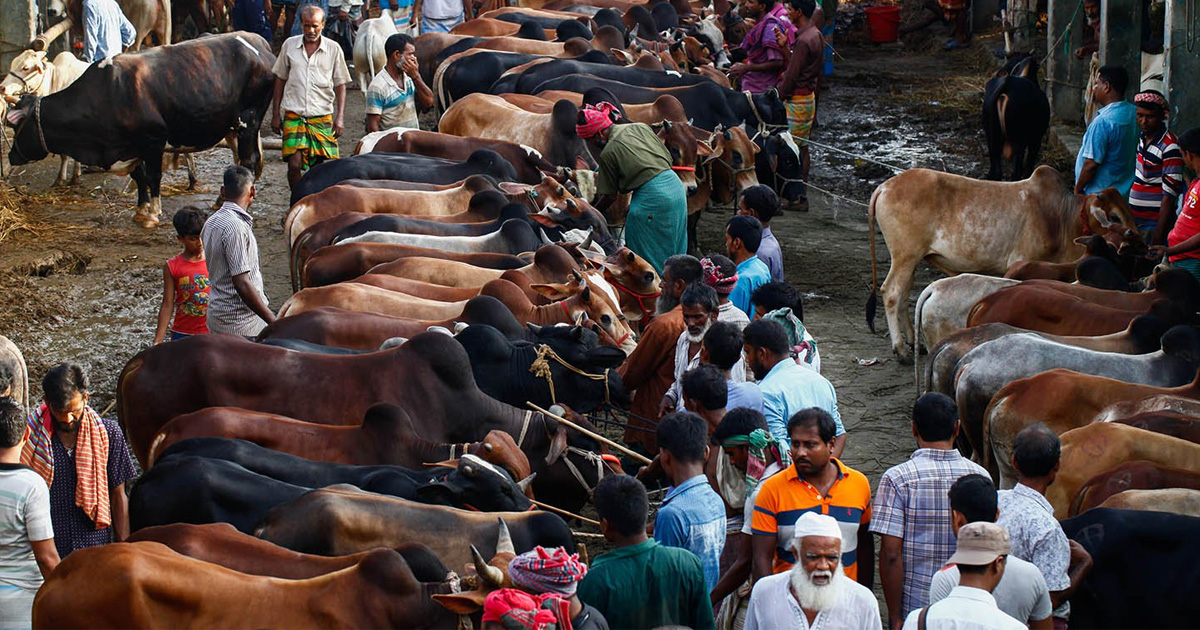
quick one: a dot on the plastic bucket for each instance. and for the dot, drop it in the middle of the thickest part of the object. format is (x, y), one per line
(883, 23)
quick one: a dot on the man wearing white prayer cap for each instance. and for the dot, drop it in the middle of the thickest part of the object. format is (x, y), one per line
(814, 593)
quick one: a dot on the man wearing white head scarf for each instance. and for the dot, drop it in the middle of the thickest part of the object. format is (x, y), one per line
(815, 593)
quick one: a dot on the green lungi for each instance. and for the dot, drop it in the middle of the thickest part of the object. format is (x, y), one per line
(656, 226)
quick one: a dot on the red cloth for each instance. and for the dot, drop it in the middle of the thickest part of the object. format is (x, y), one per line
(514, 608)
(597, 118)
(1188, 223)
(191, 295)
(91, 461)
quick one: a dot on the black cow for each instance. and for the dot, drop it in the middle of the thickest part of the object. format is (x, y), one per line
(402, 166)
(707, 104)
(665, 18)
(529, 82)
(779, 165)
(299, 345)
(529, 30)
(611, 17)
(1016, 115)
(121, 114)
(1102, 273)
(1152, 558)
(569, 29)
(407, 225)
(508, 370)
(467, 73)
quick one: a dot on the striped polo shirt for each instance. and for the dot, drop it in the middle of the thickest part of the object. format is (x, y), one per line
(1159, 171)
(785, 496)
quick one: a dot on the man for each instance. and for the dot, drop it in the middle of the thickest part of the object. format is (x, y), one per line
(1091, 35)
(556, 572)
(1184, 238)
(956, 13)
(640, 583)
(722, 348)
(742, 237)
(288, 8)
(310, 95)
(27, 551)
(721, 274)
(441, 16)
(748, 455)
(1108, 156)
(786, 387)
(781, 302)
(816, 481)
(1158, 178)
(398, 90)
(650, 369)
(698, 305)
(633, 160)
(981, 555)
(251, 16)
(816, 592)
(764, 46)
(762, 203)
(106, 30)
(1021, 593)
(236, 302)
(705, 394)
(691, 516)
(83, 459)
(911, 506)
(1029, 519)
(800, 83)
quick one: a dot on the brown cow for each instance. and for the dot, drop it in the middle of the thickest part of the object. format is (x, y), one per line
(1095, 448)
(977, 226)
(574, 299)
(550, 263)
(1183, 501)
(1167, 423)
(1138, 475)
(553, 135)
(489, 27)
(530, 164)
(347, 329)
(1166, 403)
(426, 290)
(1047, 310)
(370, 299)
(1176, 285)
(341, 262)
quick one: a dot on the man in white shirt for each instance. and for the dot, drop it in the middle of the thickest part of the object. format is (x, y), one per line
(106, 30)
(981, 555)
(440, 16)
(700, 310)
(398, 90)
(815, 593)
(27, 550)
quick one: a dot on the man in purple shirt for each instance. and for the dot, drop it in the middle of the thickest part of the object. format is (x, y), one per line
(764, 48)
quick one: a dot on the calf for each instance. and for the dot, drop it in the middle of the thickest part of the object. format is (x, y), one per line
(553, 135)
(1016, 115)
(405, 166)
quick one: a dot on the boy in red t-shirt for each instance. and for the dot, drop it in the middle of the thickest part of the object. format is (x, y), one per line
(185, 281)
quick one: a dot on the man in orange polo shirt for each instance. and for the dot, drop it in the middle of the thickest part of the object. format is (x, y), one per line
(816, 482)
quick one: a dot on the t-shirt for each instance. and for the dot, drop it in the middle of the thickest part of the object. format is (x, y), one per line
(648, 585)
(633, 156)
(24, 517)
(1159, 172)
(1188, 223)
(1111, 141)
(396, 106)
(782, 499)
(191, 295)
(752, 273)
(692, 517)
(1021, 593)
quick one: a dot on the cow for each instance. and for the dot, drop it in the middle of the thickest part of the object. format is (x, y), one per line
(1185, 501)
(488, 27)
(1094, 245)
(406, 167)
(1137, 475)
(368, 54)
(531, 167)
(14, 374)
(435, 48)
(1046, 308)
(944, 304)
(122, 113)
(339, 520)
(353, 296)
(571, 301)
(549, 264)
(1151, 404)
(979, 227)
(530, 81)
(514, 237)
(1166, 422)
(31, 73)
(780, 166)
(553, 135)
(149, 17)
(1169, 284)
(1016, 115)
(465, 72)
(337, 263)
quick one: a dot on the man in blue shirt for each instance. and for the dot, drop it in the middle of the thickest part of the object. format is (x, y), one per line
(762, 203)
(743, 234)
(106, 31)
(1108, 156)
(692, 515)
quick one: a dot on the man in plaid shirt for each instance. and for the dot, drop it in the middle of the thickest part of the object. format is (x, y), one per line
(911, 511)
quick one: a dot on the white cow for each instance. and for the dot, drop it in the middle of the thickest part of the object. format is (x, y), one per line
(147, 17)
(369, 55)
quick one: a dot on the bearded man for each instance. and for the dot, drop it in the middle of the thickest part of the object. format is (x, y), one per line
(815, 592)
(700, 307)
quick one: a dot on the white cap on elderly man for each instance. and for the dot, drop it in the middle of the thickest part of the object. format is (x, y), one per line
(814, 524)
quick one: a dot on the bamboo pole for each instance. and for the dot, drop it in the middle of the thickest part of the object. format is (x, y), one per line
(594, 436)
(547, 506)
(41, 42)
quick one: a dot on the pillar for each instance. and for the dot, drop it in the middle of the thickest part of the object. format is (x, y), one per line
(1065, 75)
(18, 25)
(1182, 65)
(1121, 38)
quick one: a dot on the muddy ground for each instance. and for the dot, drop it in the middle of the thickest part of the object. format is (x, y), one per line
(79, 281)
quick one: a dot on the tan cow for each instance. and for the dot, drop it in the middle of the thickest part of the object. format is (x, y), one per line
(149, 17)
(1174, 500)
(944, 305)
(961, 225)
(1095, 448)
(553, 135)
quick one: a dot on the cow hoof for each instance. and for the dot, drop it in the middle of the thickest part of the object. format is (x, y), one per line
(799, 205)
(904, 358)
(145, 220)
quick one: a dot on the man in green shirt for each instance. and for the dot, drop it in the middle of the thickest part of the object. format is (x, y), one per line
(641, 584)
(634, 160)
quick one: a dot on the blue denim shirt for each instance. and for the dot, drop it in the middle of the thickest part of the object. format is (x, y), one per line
(692, 517)
(1111, 141)
(105, 30)
(790, 387)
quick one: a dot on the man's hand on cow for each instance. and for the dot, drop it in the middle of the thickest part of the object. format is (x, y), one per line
(737, 70)
(1156, 252)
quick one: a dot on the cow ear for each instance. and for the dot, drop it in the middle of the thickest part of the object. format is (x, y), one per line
(558, 444)
(605, 357)
(467, 603)
(510, 188)
(543, 219)
(551, 291)
(703, 150)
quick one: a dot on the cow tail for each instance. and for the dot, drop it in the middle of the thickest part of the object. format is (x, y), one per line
(1002, 114)
(873, 300)
(1078, 501)
(370, 60)
(917, 339)
(164, 14)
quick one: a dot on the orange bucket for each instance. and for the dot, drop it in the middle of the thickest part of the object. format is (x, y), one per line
(883, 23)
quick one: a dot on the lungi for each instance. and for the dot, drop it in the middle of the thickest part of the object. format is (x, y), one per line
(656, 226)
(310, 137)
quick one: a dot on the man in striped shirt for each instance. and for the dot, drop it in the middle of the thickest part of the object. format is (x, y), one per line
(1158, 180)
(237, 304)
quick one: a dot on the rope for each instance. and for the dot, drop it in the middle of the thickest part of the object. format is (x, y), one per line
(540, 368)
(1066, 30)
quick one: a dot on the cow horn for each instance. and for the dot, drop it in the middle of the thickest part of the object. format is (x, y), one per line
(504, 543)
(488, 573)
(587, 242)
(666, 124)
(487, 446)
(524, 483)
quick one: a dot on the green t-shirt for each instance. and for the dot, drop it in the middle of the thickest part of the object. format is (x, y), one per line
(648, 585)
(632, 157)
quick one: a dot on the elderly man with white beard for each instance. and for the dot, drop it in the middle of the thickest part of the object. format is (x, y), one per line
(815, 593)
(701, 308)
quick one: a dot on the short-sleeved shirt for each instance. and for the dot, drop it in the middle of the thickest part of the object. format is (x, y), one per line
(1188, 223)
(633, 156)
(24, 518)
(752, 273)
(692, 517)
(648, 585)
(1021, 593)
(310, 80)
(913, 503)
(770, 253)
(1159, 173)
(783, 498)
(772, 605)
(790, 387)
(230, 249)
(72, 528)
(965, 608)
(191, 295)
(1036, 537)
(396, 106)
(1111, 141)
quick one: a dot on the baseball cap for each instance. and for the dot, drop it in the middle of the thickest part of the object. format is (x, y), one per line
(980, 543)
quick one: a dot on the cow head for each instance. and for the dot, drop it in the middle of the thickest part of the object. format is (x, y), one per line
(1109, 212)
(779, 163)
(29, 140)
(685, 151)
(477, 484)
(638, 283)
(579, 301)
(555, 205)
(733, 157)
(489, 576)
(770, 109)
(27, 75)
(580, 348)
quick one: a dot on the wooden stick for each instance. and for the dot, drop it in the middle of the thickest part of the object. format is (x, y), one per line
(594, 436)
(547, 506)
(586, 535)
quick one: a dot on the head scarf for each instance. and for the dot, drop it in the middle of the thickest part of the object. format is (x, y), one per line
(804, 347)
(517, 610)
(764, 450)
(722, 284)
(1152, 98)
(596, 118)
(547, 571)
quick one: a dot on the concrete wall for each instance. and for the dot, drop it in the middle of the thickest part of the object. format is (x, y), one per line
(18, 26)
(1065, 75)
(1121, 38)
(1182, 66)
